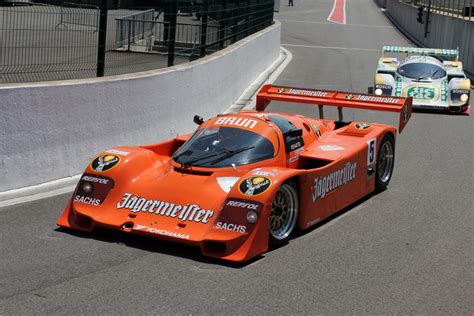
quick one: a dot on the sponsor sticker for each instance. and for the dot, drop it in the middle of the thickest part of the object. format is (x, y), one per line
(421, 93)
(362, 125)
(118, 152)
(295, 145)
(245, 205)
(87, 200)
(104, 163)
(377, 99)
(254, 186)
(242, 229)
(265, 173)
(383, 86)
(162, 232)
(331, 148)
(236, 121)
(312, 93)
(94, 179)
(336, 179)
(293, 159)
(192, 213)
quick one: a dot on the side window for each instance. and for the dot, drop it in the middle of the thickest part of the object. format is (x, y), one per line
(291, 142)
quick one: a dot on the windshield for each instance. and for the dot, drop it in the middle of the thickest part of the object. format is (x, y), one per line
(217, 147)
(421, 71)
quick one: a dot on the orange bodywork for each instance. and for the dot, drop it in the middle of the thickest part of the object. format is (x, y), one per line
(143, 190)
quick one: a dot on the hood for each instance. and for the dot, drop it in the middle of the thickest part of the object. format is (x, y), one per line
(423, 93)
(170, 202)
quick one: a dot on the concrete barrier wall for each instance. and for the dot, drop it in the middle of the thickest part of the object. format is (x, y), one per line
(51, 130)
(444, 31)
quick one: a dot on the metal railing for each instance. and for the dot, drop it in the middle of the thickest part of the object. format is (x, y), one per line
(457, 8)
(55, 42)
(135, 27)
(79, 14)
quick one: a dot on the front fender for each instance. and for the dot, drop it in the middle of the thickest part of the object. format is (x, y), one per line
(385, 82)
(458, 87)
(247, 188)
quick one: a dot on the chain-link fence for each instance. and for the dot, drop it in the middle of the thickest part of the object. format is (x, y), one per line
(54, 42)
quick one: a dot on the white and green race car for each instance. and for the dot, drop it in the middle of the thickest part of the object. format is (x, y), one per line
(433, 84)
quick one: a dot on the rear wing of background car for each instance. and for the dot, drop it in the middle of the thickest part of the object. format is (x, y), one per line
(322, 98)
(439, 52)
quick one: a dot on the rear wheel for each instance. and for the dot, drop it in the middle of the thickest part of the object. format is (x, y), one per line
(283, 214)
(385, 162)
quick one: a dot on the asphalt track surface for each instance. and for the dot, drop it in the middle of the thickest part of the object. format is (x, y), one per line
(407, 250)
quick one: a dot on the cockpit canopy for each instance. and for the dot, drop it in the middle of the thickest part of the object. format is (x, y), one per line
(421, 71)
(215, 146)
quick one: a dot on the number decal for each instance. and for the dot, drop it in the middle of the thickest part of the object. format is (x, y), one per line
(371, 151)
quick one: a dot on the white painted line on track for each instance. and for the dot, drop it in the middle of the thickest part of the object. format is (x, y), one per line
(300, 12)
(331, 23)
(332, 47)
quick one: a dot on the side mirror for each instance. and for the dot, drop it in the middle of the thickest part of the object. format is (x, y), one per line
(294, 133)
(198, 120)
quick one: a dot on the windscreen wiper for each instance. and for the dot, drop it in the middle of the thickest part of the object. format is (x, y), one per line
(230, 153)
(227, 153)
(191, 161)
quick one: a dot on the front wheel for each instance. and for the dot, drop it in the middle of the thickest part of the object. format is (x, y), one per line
(385, 162)
(283, 214)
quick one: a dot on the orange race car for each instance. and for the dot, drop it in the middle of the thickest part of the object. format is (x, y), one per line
(242, 182)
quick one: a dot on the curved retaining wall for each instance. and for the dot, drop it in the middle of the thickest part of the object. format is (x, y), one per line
(51, 130)
(444, 31)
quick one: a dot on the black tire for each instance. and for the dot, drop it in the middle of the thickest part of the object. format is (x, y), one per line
(283, 214)
(370, 90)
(385, 162)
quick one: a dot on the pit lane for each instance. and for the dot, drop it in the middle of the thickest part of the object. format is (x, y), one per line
(406, 250)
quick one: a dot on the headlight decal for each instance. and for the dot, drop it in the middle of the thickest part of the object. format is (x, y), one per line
(93, 189)
(239, 216)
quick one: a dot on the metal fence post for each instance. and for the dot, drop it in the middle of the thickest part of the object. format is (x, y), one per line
(204, 28)
(102, 39)
(427, 22)
(172, 33)
(223, 24)
(129, 34)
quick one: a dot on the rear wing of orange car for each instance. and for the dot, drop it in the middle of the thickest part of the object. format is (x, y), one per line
(323, 98)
